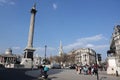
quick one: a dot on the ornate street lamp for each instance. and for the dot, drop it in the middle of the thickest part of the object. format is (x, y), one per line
(45, 51)
(45, 54)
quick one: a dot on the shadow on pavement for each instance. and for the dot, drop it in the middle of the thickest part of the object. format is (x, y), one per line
(103, 78)
(36, 73)
(54, 71)
(51, 78)
(14, 74)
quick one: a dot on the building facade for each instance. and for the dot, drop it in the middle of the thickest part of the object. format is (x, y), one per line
(115, 42)
(84, 56)
(113, 55)
(7, 59)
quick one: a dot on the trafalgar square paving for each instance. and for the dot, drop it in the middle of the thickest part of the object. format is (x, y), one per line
(14, 74)
(70, 74)
(54, 74)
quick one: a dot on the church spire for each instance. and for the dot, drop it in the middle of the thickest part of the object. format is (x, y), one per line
(61, 49)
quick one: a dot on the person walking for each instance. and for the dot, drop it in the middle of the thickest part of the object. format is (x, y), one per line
(89, 70)
(46, 69)
(78, 69)
(41, 70)
(92, 70)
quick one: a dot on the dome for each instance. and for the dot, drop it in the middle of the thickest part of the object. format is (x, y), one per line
(8, 51)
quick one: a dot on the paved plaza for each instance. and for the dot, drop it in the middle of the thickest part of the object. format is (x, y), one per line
(70, 74)
(14, 74)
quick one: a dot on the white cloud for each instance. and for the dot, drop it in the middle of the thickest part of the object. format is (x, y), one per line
(49, 50)
(94, 42)
(100, 47)
(16, 48)
(12, 3)
(54, 6)
(93, 38)
(4, 2)
(90, 45)
(97, 47)
(88, 42)
(43, 48)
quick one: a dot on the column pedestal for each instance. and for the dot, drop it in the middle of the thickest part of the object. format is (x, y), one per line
(28, 53)
(113, 65)
(27, 61)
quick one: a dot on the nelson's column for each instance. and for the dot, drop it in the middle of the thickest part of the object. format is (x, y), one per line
(29, 50)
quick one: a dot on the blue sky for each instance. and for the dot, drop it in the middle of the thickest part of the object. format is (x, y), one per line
(77, 23)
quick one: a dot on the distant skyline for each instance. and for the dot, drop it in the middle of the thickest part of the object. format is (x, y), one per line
(77, 23)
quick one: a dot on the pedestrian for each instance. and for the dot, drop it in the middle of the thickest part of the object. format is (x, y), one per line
(92, 70)
(95, 70)
(85, 70)
(116, 73)
(89, 70)
(80, 69)
(76, 68)
(41, 70)
(78, 72)
(46, 69)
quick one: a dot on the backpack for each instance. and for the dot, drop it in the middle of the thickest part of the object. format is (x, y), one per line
(46, 68)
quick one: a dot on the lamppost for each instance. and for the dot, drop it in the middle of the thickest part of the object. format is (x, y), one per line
(96, 65)
(45, 53)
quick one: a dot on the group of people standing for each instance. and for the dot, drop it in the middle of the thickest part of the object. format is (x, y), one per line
(87, 70)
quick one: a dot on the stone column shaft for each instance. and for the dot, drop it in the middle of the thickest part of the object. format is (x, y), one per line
(31, 30)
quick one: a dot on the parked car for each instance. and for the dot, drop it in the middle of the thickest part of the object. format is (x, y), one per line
(55, 66)
(2, 66)
(72, 66)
